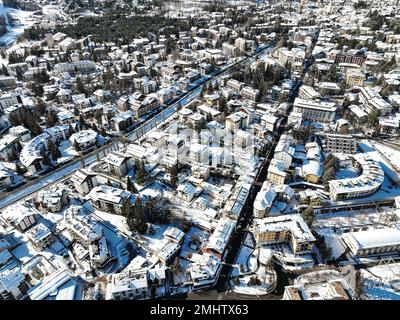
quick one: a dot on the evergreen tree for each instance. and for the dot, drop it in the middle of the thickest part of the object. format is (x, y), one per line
(51, 119)
(45, 159)
(126, 208)
(54, 151)
(4, 70)
(133, 189)
(79, 85)
(20, 170)
(76, 146)
(70, 129)
(174, 177)
(128, 184)
(40, 107)
(140, 223)
(141, 174)
(103, 132)
(308, 215)
(82, 121)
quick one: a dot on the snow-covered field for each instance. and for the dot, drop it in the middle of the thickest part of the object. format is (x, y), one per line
(332, 240)
(23, 20)
(242, 260)
(369, 148)
(380, 282)
(389, 153)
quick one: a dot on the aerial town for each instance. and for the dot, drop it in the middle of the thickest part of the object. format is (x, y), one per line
(226, 149)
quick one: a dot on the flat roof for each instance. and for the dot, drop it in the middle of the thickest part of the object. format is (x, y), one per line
(374, 238)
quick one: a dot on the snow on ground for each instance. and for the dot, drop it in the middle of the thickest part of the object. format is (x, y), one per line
(389, 153)
(347, 172)
(155, 190)
(369, 149)
(243, 288)
(155, 241)
(380, 282)
(316, 276)
(193, 233)
(267, 278)
(22, 19)
(67, 151)
(253, 261)
(332, 241)
(25, 251)
(115, 220)
(113, 239)
(248, 241)
(242, 259)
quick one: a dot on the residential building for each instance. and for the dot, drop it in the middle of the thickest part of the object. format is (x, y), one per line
(40, 236)
(110, 199)
(186, 191)
(276, 173)
(129, 285)
(354, 78)
(85, 139)
(219, 240)
(369, 181)
(84, 180)
(336, 289)
(122, 121)
(118, 164)
(285, 229)
(264, 200)
(341, 143)
(143, 105)
(314, 110)
(20, 216)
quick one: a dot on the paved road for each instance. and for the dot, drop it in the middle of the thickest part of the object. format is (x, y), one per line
(246, 217)
(59, 174)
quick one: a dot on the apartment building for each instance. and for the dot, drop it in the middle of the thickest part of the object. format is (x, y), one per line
(308, 93)
(8, 100)
(8, 147)
(83, 66)
(369, 181)
(122, 121)
(144, 105)
(40, 236)
(129, 285)
(110, 199)
(199, 153)
(235, 85)
(341, 143)
(372, 100)
(333, 289)
(264, 200)
(220, 238)
(84, 180)
(236, 121)
(250, 93)
(19, 216)
(276, 173)
(85, 139)
(315, 110)
(286, 229)
(284, 150)
(354, 77)
(118, 164)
